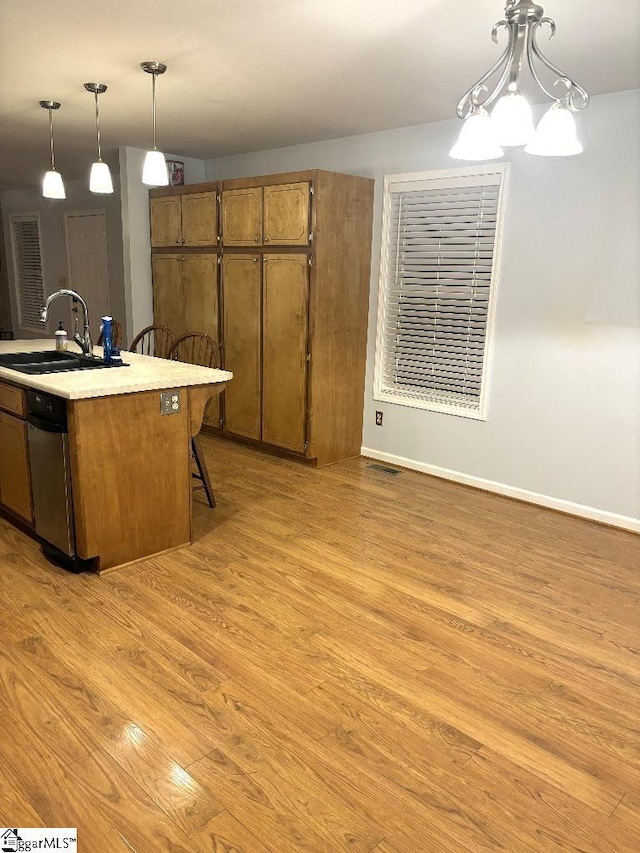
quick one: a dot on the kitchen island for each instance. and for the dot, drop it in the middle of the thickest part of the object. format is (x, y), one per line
(130, 463)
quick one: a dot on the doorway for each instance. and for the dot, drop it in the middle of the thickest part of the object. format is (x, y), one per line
(88, 264)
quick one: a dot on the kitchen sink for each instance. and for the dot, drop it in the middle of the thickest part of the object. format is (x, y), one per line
(51, 362)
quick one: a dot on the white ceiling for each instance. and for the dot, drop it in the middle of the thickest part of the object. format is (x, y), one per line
(245, 75)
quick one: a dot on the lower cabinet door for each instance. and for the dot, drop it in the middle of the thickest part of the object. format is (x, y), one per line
(285, 297)
(167, 292)
(241, 276)
(15, 484)
(200, 310)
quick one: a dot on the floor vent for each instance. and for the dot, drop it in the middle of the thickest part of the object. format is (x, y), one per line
(384, 469)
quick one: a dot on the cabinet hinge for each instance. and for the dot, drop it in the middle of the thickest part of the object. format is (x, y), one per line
(308, 357)
(306, 446)
(311, 190)
(310, 261)
(221, 423)
(219, 197)
(310, 236)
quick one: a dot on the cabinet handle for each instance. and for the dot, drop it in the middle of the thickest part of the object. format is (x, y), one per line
(266, 238)
(256, 239)
(177, 242)
(255, 260)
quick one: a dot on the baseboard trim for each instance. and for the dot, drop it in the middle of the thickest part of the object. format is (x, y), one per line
(603, 517)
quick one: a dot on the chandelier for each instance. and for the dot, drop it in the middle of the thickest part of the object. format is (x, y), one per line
(483, 136)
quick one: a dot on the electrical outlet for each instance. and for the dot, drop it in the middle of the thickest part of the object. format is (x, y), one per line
(378, 418)
(169, 402)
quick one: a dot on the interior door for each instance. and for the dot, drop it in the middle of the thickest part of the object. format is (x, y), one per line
(242, 217)
(165, 213)
(286, 214)
(167, 292)
(241, 276)
(201, 309)
(285, 296)
(199, 221)
(88, 264)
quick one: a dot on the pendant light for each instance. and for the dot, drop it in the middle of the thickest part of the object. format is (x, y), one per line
(154, 172)
(100, 177)
(52, 186)
(511, 116)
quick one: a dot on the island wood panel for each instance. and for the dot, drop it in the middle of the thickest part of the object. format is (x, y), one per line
(241, 292)
(241, 217)
(165, 214)
(286, 214)
(15, 476)
(199, 219)
(131, 480)
(285, 292)
(338, 314)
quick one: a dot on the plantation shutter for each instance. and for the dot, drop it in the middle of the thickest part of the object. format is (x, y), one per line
(27, 263)
(439, 246)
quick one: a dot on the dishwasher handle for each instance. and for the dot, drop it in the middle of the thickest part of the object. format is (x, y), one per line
(44, 425)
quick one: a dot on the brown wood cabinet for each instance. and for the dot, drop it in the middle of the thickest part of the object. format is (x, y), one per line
(184, 220)
(291, 304)
(15, 475)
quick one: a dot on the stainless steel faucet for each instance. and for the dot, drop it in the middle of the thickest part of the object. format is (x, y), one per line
(83, 341)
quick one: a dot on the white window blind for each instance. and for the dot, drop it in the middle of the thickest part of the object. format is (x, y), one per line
(27, 269)
(437, 287)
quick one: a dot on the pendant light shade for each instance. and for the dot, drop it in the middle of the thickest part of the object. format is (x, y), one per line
(154, 172)
(556, 134)
(52, 185)
(477, 139)
(513, 120)
(100, 177)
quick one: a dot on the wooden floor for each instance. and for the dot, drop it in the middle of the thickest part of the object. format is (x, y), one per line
(343, 660)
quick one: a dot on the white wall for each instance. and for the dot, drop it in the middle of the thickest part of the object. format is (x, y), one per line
(135, 233)
(564, 412)
(54, 245)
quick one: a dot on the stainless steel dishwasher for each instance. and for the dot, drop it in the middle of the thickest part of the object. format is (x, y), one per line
(51, 477)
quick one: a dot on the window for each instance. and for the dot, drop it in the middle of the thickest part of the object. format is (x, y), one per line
(438, 271)
(27, 270)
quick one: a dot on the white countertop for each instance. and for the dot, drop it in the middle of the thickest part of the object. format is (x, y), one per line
(143, 373)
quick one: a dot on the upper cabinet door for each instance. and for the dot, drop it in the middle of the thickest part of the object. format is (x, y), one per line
(199, 221)
(286, 215)
(242, 217)
(166, 221)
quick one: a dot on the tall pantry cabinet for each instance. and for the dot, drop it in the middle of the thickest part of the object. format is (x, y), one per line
(284, 290)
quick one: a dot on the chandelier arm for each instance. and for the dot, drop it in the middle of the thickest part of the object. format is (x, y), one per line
(467, 101)
(577, 98)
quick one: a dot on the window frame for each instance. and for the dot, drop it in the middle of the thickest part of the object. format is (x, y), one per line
(426, 400)
(13, 219)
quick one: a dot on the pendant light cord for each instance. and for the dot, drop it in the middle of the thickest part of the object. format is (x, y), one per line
(153, 101)
(53, 156)
(98, 129)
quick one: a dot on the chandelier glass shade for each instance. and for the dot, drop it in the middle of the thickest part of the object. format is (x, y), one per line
(511, 116)
(154, 171)
(52, 184)
(100, 176)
